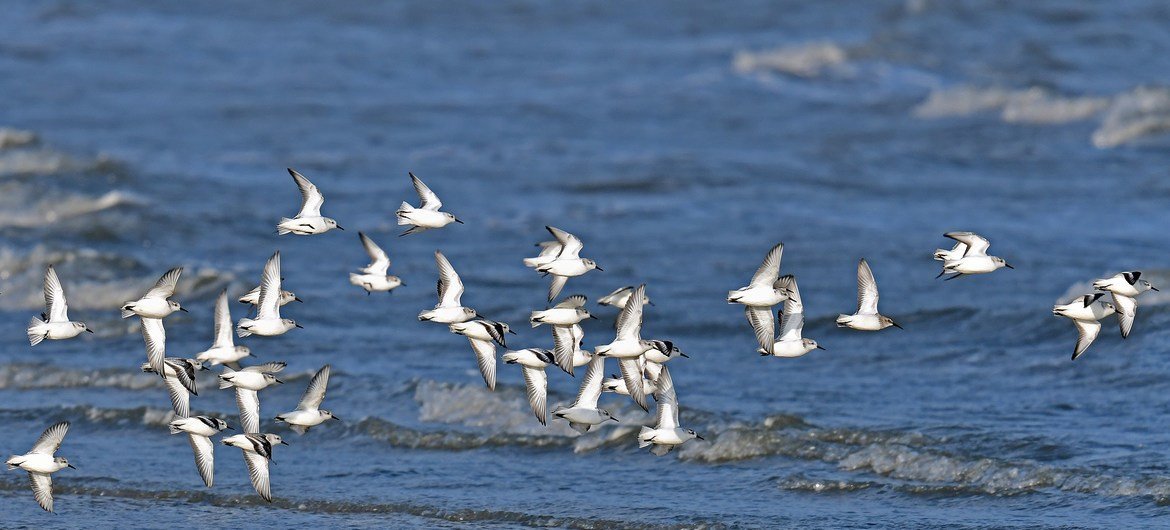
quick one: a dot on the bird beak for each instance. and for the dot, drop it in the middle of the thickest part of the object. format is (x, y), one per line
(91, 331)
(614, 419)
(1008, 265)
(600, 269)
(279, 382)
(458, 221)
(282, 442)
(298, 299)
(895, 324)
(183, 309)
(594, 318)
(340, 228)
(651, 303)
(338, 419)
(700, 437)
(1153, 288)
(70, 466)
(229, 427)
(683, 354)
(512, 332)
(299, 326)
(819, 347)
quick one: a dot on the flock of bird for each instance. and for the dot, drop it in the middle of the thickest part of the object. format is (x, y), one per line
(642, 363)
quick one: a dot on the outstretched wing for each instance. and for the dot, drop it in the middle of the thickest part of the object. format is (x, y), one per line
(315, 392)
(55, 304)
(629, 321)
(485, 355)
(450, 286)
(258, 471)
(564, 346)
(632, 376)
(1126, 311)
(573, 302)
(204, 457)
(976, 244)
(379, 261)
(571, 245)
(311, 197)
(590, 390)
(536, 383)
(428, 199)
(223, 322)
(180, 397)
(155, 337)
(769, 270)
(1086, 333)
(50, 440)
(165, 286)
(42, 486)
(761, 320)
(249, 404)
(867, 291)
(268, 306)
(667, 401)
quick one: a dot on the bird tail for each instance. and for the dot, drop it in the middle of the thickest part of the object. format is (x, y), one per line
(174, 429)
(534, 319)
(644, 437)
(403, 209)
(126, 312)
(531, 263)
(224, 383)
(12, 462)
(842, 320)
(146, 367)
(35, 336)
(241, 332)
(280, 229)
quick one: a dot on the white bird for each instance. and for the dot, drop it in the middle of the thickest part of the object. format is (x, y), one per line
(41, 464)
(484, 335)
(179, 376)
(309, 413)
(154, 335)
(253, 297)
(199, 431)
(661, 351)
(567, 350)
(568, 262)
(257, 453)
(617, 384)
(532, 363)
(223, 349)
(54, 323)
(974, 258)
(1125, 287)
(450, 309)
(956, 252)
(666, 433)
(267, 322)
(427, 215)
(867, 317)
(628, 346)
(373, 277)
(548, 253)
(762, 293)
(248, 381)
(619, 297)
(1085, 312)
(569, 312)
(309, 220)
(790, 343)
(156, 303)
(583, 413)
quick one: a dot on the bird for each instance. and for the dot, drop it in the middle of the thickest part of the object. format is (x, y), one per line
(223, 349)
(41, 464)
(156, 303)
(373, 277)
(867, 317)
(568, 262)
(1085, 312)
(257, 450)
(568, 312)
(583, 413)
(199, 431)
(974, 258)
(179, 375)
(427, 215)
(548, 253)
(450, 309)
(54, 323)
(619, 297)
(567, 352)
(790, 343)
(661, 351)
(628, 346)
(154, 335)
(762, 293)
(253, 297)
(267, 322)
(1125, 287)
(483, 335)
(956, 252)
(309, 220)
(308, 413)
(666, 433)
(617, 384)
(248, 381)
(532, 363)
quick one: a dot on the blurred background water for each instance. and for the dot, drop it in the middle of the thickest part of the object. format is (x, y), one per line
(679, 141)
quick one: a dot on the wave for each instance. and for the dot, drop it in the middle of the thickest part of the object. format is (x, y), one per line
(1134, 115)
(1032, 105)
(802, 60)
(10, 138)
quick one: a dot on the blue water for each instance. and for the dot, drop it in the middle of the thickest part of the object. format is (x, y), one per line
(679, 141)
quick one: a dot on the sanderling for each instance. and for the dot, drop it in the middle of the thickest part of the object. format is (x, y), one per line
(309, 412)
(790, 343)
(666, 433)
(450, 308)
(154, 335)
(974, 258)
(247, 382)
(567, 352)
(762, 293)
(41, 464)
(257, 453)
(199, 430)
(267, 322)
(619, 297)
(223, 349)
(628, 346)
(427, 215)
(483, 336)
(867, 317)
(568, 262)
(568, 312)
(532, 363)
(309, 220)
(1086, 312)
(373, 277)
(661, 351)
(156, 303)
(54, 323)
(583, 413)
(179, 376)
(253, 297)
(548, 253)
(1125, 287)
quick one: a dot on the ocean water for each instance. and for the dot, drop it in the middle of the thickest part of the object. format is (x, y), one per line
(679, 141)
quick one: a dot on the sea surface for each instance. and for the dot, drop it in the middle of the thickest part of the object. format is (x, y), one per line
(679, 140)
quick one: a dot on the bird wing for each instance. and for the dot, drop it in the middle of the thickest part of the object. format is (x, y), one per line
(667, 401)
(770, 269)
(311, 197)
(590, 390)
(791, 325)
(556, 285)
(180, 397)
(793, 304)
(485, 354)
(564, 346)
(55, 304)
(1087, 331)
(428, 199)
(867, 291)
(450, 286)
(223, 323)
(629, 321)
(258, 471)
(761, 320)
(204, 457)
(573, 302)
(268, 306)
(155, 337)
(42, 486)
(976, 244)
(249, 404)
(536, 383)
(549, 248)
(571, 245)
(1088, 299)
(1126, 311)
(632, 376)
(165, 286)
(1131, 277)
(379, 261)
(50, 440)
(267, 368)
(315, 392)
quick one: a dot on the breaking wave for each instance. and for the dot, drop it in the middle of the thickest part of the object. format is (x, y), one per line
(803, 60)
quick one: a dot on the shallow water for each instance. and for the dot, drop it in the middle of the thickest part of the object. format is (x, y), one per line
(680, 142)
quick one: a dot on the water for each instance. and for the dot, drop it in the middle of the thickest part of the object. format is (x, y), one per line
(680, 141)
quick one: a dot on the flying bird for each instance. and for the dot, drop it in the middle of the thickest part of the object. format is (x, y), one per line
(247, 382)
(867, 317)
(568, 262)
(257, 450)
(267, 322)
(199, 431)
(450, 308)
(54, 323)
(374, 277)
(223, 349)
(41, 464)
(309, 412)
(309, 220)
(427, 215)
(974, 258)
(1125, 287)
(1085, 312)
(156, 303)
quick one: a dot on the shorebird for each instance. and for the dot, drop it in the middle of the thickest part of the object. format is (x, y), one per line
(666, 433)
(972, 260)
(568, 262)
(450, 308)
(583, 412)
(1085, 312)
(427, 215)
(1125, 287)
(267, 322)
(484, 335)
(309, 412)
(54, 323)
(867, 317)
(223, 349)
(257, 450)
(199, 431)
(374, 277)
(309, 220)
(156, 303)
(41, 464)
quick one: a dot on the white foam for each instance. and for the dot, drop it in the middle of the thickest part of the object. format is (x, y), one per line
(1032, 105)
(1133, 115)
(804, 60)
